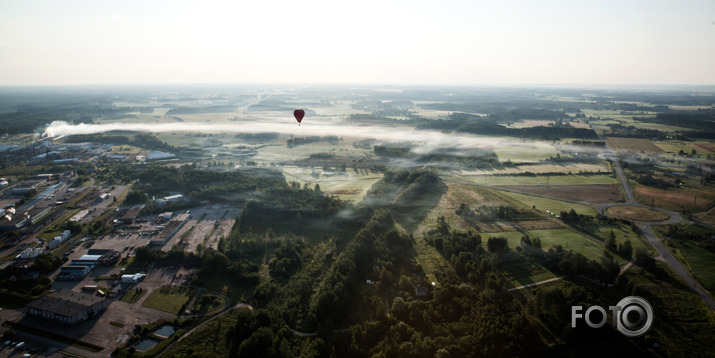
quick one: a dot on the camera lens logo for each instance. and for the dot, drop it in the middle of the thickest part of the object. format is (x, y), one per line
(632, 316)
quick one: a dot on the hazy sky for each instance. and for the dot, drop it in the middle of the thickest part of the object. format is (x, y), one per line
(392, 42)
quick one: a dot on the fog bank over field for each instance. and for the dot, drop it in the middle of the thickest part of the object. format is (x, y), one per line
(430, 139)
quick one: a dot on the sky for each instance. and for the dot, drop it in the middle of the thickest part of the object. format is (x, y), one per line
(511, 42)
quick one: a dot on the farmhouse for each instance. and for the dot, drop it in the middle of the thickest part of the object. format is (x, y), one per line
(67, 307)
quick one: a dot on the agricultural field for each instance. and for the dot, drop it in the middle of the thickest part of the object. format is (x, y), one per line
(673, 146)
(594, 193)
(633, 144)
(538, 169)
(505, 180)
(556, 206)
(531, 151)
(676, 199)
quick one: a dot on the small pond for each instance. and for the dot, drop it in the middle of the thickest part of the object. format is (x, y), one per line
(145, 344)
(165, 331)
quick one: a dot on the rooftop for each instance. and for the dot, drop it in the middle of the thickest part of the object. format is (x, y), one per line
(65, 302)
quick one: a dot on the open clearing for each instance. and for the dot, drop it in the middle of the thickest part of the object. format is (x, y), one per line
(550, 238)
(636, 144)
(637, 213)
(595, 193)
(169, 298)
(347, 186)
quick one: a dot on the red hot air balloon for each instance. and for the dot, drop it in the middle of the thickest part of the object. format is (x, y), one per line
(299, 114)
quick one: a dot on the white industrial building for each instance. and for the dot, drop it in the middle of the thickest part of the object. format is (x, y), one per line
(29, 253)
(133, 278)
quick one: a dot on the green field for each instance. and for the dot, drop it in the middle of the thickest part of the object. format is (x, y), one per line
(673, 146)
(520, 273)
(568, 239)
(531, 152)
(623, 232)
(556, 206)
(169, 298)
(700, 261)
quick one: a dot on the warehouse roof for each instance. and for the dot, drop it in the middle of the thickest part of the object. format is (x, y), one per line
(65, 302)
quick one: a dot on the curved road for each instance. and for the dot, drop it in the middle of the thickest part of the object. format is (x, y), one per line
(665, 254)
(187, 333)
(674, 218)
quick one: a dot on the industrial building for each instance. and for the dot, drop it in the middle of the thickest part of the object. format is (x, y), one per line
(87, 260)
(73, 273)
(13, 220)
(67, 307)
(29, 254)
(59, 239)
(107, 257)
(133, 278)
(171, 228)
(131, 215)
(28, 185)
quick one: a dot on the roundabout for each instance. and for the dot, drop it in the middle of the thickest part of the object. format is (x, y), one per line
(637, 213)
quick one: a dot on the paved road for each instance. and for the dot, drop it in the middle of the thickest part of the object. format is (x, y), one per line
(674, 218)
(665, 254)
(677, 265)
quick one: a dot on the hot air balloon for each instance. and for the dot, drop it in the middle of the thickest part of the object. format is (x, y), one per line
(299, 114)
